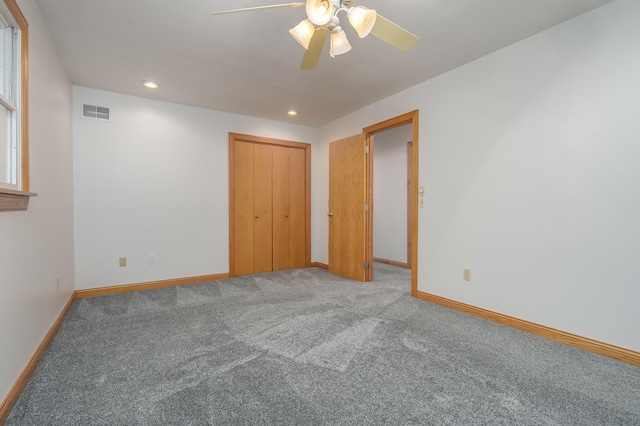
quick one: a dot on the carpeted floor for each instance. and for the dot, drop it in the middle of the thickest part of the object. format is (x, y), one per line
(305, 347)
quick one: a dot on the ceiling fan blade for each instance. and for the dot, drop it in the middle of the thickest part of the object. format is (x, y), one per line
(312, 55)
(271, 6)
(394, 35)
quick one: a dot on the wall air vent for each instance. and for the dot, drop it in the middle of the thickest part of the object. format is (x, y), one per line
(93, 111)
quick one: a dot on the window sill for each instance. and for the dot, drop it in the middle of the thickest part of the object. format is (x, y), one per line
(12, 200)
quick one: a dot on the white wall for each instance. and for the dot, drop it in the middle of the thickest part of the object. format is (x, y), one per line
(390, 193)
(530, 161)
(37, 245)
(155, 180)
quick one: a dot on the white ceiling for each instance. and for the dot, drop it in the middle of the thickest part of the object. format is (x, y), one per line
(247, 63)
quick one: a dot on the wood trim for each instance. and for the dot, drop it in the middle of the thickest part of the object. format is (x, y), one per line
(307, 156)
(414, 200)
(22, 380)
(392, 262)
(24, 28)
(232, 204)
(391, 123)
(233, 137)
(590, 345)
(319, 265)
(268, 141)
(25, 182)
(410, 189)
(370, 142)
(101, 291)
(412, 118)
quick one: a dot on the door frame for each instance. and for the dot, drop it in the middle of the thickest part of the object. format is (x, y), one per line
(369, 131)
(238, 137)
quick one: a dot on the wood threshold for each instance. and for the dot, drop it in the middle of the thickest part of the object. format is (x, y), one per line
(319, 265)
(22, 380)
(101, 291)
(392, 263)
(584, 343)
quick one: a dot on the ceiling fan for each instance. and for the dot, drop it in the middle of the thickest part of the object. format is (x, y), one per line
(322, 20)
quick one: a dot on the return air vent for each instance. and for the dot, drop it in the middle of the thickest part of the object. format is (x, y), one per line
(93, 111)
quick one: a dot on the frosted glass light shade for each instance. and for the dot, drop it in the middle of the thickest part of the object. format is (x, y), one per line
(362, 20)
(339, 43)
(319, 12)
(303, 33)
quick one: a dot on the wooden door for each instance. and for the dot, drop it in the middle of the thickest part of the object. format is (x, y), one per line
(253, 206)
(298, 219)
(289, 208)
(243, 207)
(281, 204)
(348, 216)
(263, 209)
(269, 204)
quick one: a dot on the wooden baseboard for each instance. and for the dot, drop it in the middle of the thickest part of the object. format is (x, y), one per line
(590, 345)
(392, 263)
(319, 265)
(19, 385)
(101, 291)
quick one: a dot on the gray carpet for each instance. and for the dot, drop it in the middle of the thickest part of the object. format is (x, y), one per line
(305, 347)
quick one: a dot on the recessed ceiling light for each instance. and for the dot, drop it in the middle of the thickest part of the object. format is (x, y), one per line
(149, 84)
(293, 113)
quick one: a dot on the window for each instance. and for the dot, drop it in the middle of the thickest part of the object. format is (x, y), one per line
(9, 105)
(14, 166)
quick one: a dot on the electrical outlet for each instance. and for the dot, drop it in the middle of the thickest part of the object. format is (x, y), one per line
(123, 261)
(58, 284)
(152, 259)
(466, 274)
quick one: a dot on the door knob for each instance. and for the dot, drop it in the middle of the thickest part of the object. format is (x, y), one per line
(329, 214)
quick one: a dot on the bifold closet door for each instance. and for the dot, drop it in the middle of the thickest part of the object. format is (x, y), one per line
(289, 212)
(270, 208)
(253, 208)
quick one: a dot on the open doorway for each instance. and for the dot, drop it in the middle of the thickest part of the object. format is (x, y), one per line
(405, 123)
(392, 186)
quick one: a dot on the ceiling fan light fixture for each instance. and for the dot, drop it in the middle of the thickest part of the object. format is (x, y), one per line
(362, 20)
(339, 43)
(303, 32)
(319, 12)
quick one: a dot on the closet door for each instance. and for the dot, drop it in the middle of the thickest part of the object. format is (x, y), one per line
(281, 209)
(269, 205)
(297, 208)
(263, 208)
(244, 218)
(253, 224)
(289, 208)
